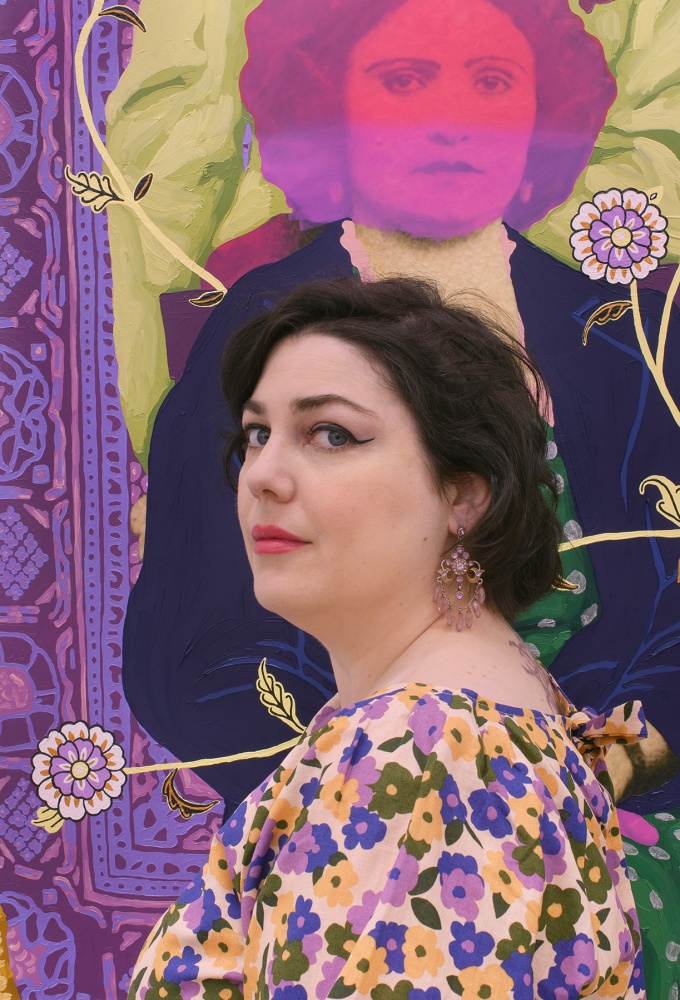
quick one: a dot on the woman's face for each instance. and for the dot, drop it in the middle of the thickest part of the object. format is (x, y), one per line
(335, 459)
(440, 104)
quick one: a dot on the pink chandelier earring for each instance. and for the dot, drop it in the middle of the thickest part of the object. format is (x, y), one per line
(458, 567)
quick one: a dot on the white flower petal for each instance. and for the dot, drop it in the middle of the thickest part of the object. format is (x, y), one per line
(582, 244)
(70, 807)
(41, 768)
(99, 802)
(587, 214)
(658, 246)
(75, 730)
(634, 200)
(51, 743)
(607, 199)
(101, 738)
(642, 268)
(114, 758)
(114, 786)
(654, 219)
(619, 275)
(49, 794)
(594, 268)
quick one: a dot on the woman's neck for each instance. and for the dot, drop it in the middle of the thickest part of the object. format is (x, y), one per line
(478, 263)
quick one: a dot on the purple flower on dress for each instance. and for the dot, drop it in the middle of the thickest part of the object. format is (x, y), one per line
(184, 969)
(259, 868)
(461, 884)
(359, 915)
(391, 937)
(311, 946)
(513, 777)
(426, 721)
(364, 828)
(618, 236)
(574, 763)
(366, 774)
(534, 881)
(452, 805)
(295, 857)
(468, 946)
(401, 879)
(579, 965)
(322, 847)
(596, 799)
(201, 913)
(375, 708)
(489, 812)
(302, 920)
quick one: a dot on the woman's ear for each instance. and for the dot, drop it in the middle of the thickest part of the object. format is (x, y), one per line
(471, 499)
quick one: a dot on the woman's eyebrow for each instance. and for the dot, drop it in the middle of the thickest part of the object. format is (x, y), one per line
(482, 59)
(308, 403)
(427, 64)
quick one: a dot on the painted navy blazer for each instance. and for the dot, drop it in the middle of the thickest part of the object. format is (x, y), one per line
(194, 633)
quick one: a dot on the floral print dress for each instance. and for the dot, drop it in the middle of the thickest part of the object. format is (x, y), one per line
(420, 844)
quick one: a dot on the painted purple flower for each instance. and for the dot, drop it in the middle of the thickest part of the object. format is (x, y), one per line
(365, 829)
(401, 879)
(452, 805)
(461, 884)
(618, 236)
(426, 721)
(302, 920)
(468, 946)
(489, 812)
(78, 770)
(391, 937)
(589, 5)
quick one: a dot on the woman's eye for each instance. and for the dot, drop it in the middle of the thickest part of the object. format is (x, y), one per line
(335, 437)
(404, 83)
(493, 84)
(256, 435)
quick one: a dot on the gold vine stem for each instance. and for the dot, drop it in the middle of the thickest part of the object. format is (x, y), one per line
(614, 536)
(128, 201)
(207, 761)
(666, 317)
(655, 366)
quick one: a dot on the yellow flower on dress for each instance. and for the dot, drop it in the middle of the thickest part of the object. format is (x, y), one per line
(167, 947)
(339, 795)
(499, 879)
(426, 820)
(332, 737)
(217, 865)
(224, 947)
(336, 883)
(497, 743)
(366, 965)
(526, 812)
(489, 982)
(421, 954)
(282, 780)
(284, 907)
(459, 738)
(549, 779)
(532, 914)
(282, 812)
(412, 694)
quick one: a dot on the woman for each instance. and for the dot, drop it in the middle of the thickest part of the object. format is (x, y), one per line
(424, 838)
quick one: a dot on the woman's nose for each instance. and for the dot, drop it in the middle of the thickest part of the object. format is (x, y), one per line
(269, 471)
(449, 135)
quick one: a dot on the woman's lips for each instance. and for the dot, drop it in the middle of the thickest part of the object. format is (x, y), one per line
(271, 540)
(447, 167)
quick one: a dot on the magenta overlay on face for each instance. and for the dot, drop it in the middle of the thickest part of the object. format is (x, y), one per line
(431, 117)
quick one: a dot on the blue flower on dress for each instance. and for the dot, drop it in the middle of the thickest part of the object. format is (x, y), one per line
(489, 812)
(572, 820)
(469, 947)
(519, 967)
(209, 914)
(302, 921)
(430, 994)
(358, 748)
(548, 835)
(233, 905)
(192, 892)
(452, 805)
(391, 937)
(308, 791)
(184, 969)
(232, 831)
(258, 869)
(364, 828)
(573, 761)
(294, 991)
(324, 846)
(514, 777)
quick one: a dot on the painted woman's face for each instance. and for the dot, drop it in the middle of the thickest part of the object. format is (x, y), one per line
(440, 105)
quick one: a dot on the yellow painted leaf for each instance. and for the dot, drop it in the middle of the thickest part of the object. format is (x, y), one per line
(49, 819)
(207, 299)
(608, 312)
(278, 702)
(178, 803)
(91, 188)
(669, 504)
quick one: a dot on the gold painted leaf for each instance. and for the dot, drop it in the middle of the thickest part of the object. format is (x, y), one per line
(49, 819)
(178, 803)
(207, 299)
(608, 312)
(124, 13)
(669, 504)
(561, 584)
(276, 699)
(91, 188)
(143, 186)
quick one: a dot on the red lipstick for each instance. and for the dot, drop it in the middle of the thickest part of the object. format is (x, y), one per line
(272, 540)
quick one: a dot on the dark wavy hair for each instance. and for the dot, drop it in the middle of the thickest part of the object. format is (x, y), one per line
(292, 84)
(473, 392)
